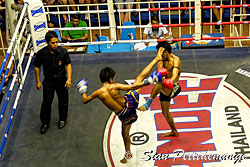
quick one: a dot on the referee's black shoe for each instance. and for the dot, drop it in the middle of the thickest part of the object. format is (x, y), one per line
(61, 124)
(44, 128)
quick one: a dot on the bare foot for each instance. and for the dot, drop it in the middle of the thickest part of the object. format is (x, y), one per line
(142, 108)
(124, 160)
(128, 155)
(170, 134)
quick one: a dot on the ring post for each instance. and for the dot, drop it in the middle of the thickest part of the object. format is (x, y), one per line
(112, 23)
(38, 23)
(13, 39)
(197, 35)
(10, 17)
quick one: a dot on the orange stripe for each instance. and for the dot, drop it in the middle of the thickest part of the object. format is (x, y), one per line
(134, 96)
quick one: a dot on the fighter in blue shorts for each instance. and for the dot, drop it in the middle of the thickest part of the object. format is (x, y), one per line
(128, 114)
(124, 107)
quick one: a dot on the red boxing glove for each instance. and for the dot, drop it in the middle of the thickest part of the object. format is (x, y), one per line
(163, 72)
(168, 83)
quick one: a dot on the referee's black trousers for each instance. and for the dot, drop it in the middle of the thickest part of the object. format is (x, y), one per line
(48, 96)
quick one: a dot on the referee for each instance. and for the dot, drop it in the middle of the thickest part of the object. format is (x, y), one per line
(57, 72)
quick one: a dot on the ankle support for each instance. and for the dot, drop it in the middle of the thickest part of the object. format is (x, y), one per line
(148, 103)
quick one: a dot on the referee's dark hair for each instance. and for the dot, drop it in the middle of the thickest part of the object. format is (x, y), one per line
(49, 35)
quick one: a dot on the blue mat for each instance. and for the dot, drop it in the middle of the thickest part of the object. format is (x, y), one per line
(202, 43)
(122, 47)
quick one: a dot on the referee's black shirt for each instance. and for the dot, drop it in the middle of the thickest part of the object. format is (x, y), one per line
(53, 64)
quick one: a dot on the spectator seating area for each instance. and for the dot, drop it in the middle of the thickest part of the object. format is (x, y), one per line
(145, 15)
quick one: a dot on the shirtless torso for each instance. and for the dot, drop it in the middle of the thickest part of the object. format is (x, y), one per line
(173, 64)
(111, 97)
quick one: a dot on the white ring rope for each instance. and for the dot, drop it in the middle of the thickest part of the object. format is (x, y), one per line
(14, 51)
(17, 27)
(18, 43)
(14, 78)
(101, 28)
(15, 104)
(106, 42)
(78, 12)
(79, 28)
(150, 40)
(97, 11)
(12, 42)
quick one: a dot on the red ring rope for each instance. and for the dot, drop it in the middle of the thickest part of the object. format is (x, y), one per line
(202, 7)
(204, 24)
(204, 38)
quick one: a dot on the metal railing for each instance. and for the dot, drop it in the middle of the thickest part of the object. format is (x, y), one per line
(166, 17)
(68, 12)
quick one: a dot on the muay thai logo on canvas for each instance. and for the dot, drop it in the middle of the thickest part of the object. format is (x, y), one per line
(212, 118)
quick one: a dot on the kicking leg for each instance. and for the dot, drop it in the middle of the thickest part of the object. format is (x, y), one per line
(146, 71)
(155, 91)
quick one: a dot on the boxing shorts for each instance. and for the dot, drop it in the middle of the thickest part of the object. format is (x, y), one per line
(128, 114)
(175, 91)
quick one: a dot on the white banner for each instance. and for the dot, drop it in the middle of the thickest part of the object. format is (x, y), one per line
(38, 23)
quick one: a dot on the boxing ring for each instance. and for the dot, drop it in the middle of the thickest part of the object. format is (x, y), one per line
(80, 142)
(92, 137)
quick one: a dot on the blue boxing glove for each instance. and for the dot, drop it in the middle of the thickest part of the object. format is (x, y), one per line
(155, 77)
(82, 86)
